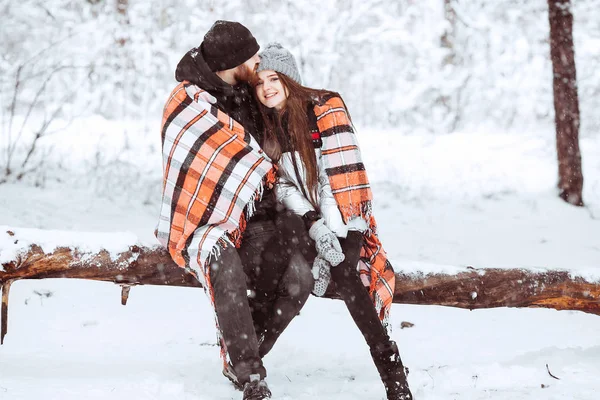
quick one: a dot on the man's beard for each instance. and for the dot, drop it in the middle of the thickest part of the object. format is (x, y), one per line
(243, 73)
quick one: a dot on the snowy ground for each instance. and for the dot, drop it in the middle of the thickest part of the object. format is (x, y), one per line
(462, 199)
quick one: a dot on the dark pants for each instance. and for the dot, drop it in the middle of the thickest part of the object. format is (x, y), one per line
(279, 282)
(383, 350)
(353, 292)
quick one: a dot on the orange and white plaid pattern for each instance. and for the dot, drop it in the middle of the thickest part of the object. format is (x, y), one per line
(213, 173)
(340, 154)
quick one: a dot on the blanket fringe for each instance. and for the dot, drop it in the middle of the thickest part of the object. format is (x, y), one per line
(256, 197)
(235, 237)
(382, 312)
(363, 210)
(269, 179)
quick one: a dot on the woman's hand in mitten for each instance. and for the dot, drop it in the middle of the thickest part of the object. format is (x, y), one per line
(321, 271)
(327, 244)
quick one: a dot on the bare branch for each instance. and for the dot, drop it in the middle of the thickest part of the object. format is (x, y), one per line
(42, 130)
(36, 98)
(48, 13)
(550, 373)
(13, 106)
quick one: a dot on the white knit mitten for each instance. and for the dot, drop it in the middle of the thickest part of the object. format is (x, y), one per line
(327, 244)
(321, 271)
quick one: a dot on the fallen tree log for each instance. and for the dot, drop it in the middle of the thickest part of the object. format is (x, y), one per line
(464, 287)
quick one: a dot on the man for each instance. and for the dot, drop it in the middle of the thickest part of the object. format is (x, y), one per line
(217, 196)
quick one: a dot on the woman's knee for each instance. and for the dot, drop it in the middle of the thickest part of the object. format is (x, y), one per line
(346, 279)
(300, 281)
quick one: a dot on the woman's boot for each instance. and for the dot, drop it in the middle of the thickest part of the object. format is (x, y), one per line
(393, 374)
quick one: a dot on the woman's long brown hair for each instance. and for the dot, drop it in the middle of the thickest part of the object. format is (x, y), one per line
(299, 98)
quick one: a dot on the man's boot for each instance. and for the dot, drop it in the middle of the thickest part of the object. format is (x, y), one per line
(230, 374)
(256, 389)
(393, 375)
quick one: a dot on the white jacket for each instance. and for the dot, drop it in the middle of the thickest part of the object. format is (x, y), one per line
(287, 191)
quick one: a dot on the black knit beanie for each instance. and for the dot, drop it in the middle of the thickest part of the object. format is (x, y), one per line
(228, 44)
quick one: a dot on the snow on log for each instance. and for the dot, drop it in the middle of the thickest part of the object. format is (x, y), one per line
(35, 254)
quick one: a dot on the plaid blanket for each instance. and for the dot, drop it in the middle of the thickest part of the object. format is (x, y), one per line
(213, 173)
(341, 157)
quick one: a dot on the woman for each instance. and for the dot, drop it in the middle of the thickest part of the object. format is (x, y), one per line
(321, 177)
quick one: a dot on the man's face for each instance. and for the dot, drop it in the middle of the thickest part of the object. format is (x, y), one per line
(245, 72)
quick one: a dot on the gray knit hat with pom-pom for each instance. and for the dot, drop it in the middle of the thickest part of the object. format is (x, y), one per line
(277, 58)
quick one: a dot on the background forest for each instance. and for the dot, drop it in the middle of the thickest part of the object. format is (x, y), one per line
(435, 66)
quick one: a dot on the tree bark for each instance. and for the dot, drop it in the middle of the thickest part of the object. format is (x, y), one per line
(447, 39)
(122, 7)
(471, 288)
(566, 102)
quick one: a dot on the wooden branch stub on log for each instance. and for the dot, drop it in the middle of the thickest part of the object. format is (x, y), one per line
(125, 294)
(470, 288)
(4, 310)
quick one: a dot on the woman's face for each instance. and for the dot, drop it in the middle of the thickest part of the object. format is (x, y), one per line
(270, 90)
